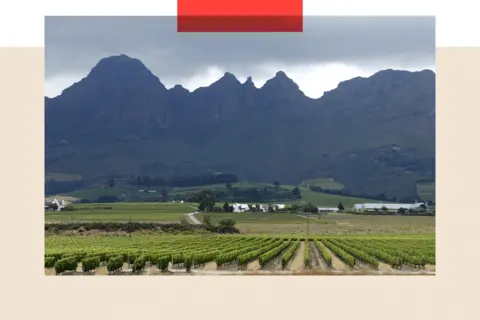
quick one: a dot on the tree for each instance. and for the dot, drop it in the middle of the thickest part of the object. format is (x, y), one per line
(257, 206)
(340, 206)
(227, 222)
(206, 199)
(227, 226)
(277, 185)
(384, 209)
(111, 182)
(310, 208)
(164, 195)
(296, 193)
(226, 207)
(401, 211)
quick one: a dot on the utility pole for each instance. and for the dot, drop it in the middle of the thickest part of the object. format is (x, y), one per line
(203, 227)
(308, 225)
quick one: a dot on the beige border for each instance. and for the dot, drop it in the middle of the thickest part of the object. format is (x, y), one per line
(28, 294)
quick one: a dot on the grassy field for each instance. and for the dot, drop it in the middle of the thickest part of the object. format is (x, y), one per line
(331, 200)
(316, 198)
(124, 191)
(332, 223)
(324, 183)
(426, 190)
(249, 222)
(94, 193)
(259, 218)
(123, 211)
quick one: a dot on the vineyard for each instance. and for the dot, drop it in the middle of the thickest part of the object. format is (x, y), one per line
(194, 254)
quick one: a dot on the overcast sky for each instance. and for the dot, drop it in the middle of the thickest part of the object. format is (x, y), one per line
(330, 50)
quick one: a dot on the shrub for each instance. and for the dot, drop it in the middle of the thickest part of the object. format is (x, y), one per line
(188, 262)
(138, 264)
(162, 262)
(50, 262)
(115, 263)
(66, 264)
(288, 255)
(90, 263)
(307, 259)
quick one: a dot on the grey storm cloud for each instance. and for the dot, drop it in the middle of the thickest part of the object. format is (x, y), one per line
(75, 44)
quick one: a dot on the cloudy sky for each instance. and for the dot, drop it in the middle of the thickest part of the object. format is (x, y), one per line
(330, 50)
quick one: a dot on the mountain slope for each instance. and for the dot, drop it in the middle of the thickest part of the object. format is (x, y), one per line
(374, 135)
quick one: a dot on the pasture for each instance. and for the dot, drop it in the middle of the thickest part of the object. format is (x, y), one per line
(332, 223)
(122, 211)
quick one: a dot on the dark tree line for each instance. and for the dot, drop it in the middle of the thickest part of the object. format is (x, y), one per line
(251, 195)
(55, 187)
(185, 180)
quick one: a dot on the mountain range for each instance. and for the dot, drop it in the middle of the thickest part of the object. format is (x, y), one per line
(374, 135)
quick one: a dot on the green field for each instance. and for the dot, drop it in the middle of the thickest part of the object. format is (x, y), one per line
(332, 223)
(233, 253)
(94, 193)
(426, 190)
(324, 183)
(248, 222)
(126, 192)
(122, 211)
(260, 217)
(316, 198)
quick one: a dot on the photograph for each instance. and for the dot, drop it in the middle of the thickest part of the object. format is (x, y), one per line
(248, 153)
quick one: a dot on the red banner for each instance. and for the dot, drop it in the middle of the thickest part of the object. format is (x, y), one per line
(239, 15)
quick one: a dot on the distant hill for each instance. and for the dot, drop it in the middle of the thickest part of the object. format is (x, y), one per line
(373, 135)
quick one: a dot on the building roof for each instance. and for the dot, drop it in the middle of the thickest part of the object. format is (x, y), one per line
(392, 206)
(240, 205)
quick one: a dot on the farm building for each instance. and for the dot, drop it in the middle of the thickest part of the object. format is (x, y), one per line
(60, 204)
(238, 207)
(332, 209)
(391, 207)
(275, 207)
(264, 208)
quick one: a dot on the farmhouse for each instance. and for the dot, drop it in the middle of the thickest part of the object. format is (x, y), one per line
(238, 207)
(332, 209)
(391, 207)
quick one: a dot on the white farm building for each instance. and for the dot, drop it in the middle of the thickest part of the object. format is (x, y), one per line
(332, 209)
(392, 207)
(239, 207)
(275, 207)
(60, 204)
